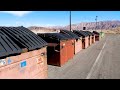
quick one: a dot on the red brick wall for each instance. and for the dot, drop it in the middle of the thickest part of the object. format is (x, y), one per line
(70, 48)
(63, 53)
(90, 40)
(86, 42)
(35, 64)
(67, 52)
(78, 46)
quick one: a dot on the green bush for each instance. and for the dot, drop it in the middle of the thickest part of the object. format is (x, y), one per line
(102, 34)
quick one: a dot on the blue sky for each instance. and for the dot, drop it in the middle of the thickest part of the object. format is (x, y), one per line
(53, 18)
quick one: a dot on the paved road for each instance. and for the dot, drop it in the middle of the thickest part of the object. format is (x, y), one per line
(99, 61)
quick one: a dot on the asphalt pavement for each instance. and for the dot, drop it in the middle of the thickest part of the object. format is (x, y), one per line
(101, 60)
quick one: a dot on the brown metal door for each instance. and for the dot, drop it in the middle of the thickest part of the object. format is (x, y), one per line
(53, 56)
(83, 43)
(92, 39)
(89, 41)
(97, 38)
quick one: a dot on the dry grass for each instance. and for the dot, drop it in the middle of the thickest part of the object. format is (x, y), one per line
(110, 31)
(45, 31)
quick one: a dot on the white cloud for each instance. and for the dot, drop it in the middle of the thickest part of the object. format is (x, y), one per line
(17, 13)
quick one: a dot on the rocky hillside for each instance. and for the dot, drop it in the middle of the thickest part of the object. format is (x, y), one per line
(88, 25)
(37, 28)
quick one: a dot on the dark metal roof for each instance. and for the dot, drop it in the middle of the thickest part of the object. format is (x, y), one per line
(81, 33)
(7, 46)
(20, 38)
(95, 32)
(90, 33)
(77, 34)
(69, 33)
(67, 36)
(53, 37)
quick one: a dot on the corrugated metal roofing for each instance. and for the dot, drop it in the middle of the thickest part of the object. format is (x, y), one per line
(67, 36)
(95, 32)
(7, 46)
(53, 37)
(23, 37)
(82, 33)
(77, 34)
(70, 34)
(90, 33)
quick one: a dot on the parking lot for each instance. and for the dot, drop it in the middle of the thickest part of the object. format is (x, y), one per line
(99, 61)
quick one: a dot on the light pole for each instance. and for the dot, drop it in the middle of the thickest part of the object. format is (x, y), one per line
(96, 26)
(96, 22)
(70, 20)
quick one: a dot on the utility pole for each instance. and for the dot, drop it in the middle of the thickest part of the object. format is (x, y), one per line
(96, 22)
(70, 20)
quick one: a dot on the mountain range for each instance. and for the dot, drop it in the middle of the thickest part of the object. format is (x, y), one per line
(84, 25)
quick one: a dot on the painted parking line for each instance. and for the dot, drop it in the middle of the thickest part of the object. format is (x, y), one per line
(95, 63)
